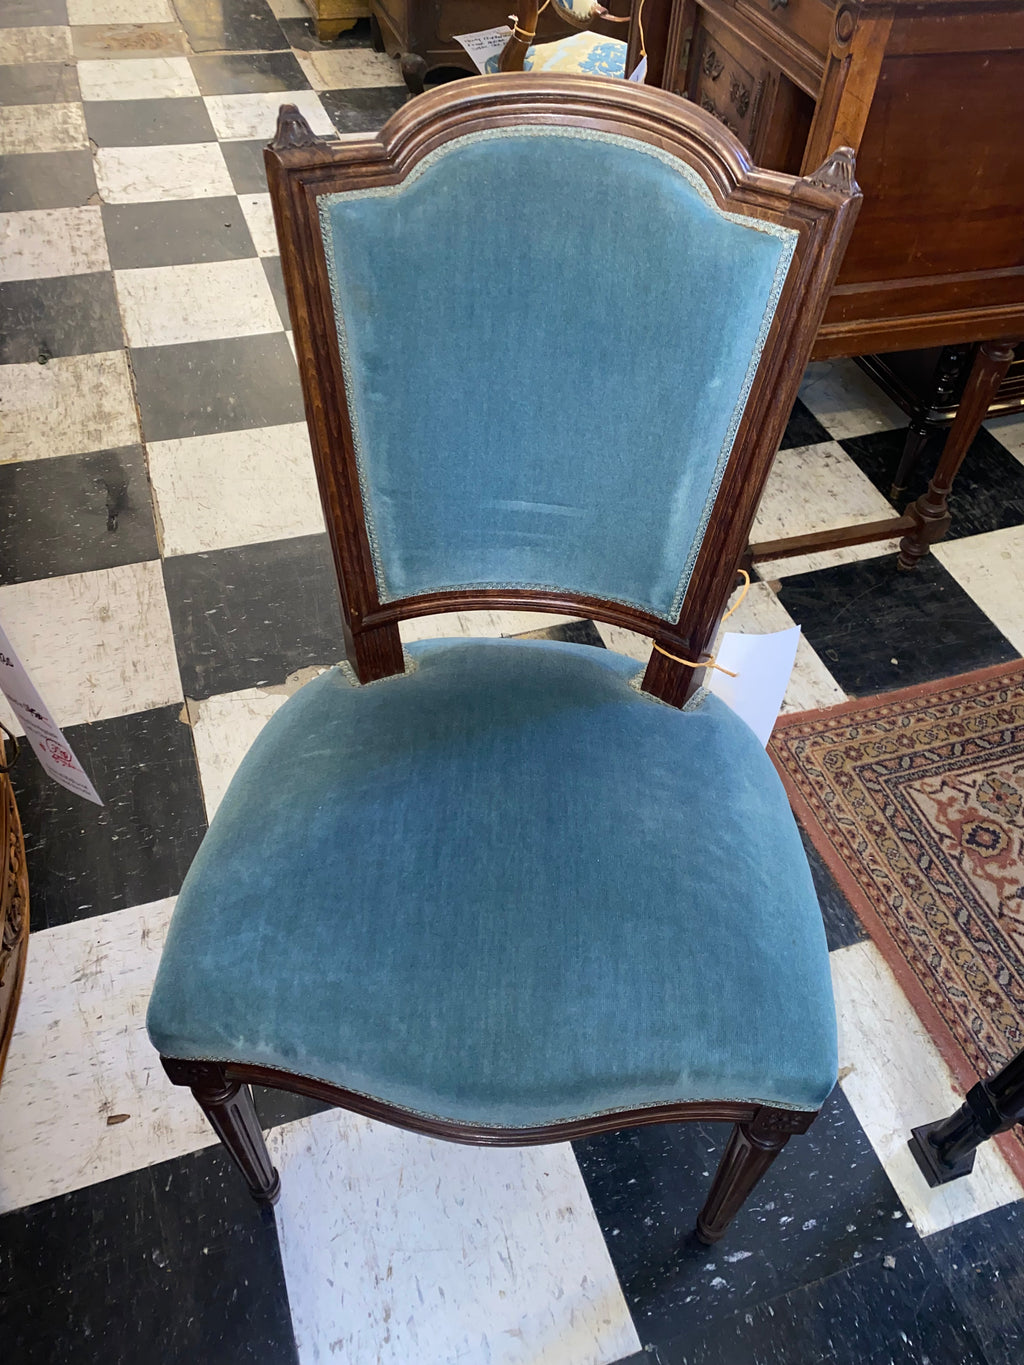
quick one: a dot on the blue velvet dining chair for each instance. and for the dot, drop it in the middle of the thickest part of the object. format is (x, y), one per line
(511, 891)
(582, 53)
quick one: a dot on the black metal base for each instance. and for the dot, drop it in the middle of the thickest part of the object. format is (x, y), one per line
(936, 1172)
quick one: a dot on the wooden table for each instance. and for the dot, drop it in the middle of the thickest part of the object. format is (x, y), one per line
(930, 94)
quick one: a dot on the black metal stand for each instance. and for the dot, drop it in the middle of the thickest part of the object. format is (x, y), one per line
(945, 1149)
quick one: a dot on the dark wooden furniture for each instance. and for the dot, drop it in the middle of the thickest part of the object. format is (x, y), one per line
(13, 903)
(930, 95)
(524, 33)
(944, 1150)
(821, 208)
(929, 385)
(421, 32)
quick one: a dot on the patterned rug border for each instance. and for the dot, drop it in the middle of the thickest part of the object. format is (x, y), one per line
(938, 1030)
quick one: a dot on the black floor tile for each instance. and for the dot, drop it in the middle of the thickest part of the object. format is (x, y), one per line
(570, 632)
(877, 629)
(888, 1310)
(148, 123)
(174, 1263)
(84, 860)
(842, 927)
(46, 180)
(988, 493)
(982, 1263)
(362, 111)
(62, 315)
(824, 1205)
(803, 428)
(208, 386)
(74, 514)
(31, 13)
(250, 616)
(275, 278)
(238, 74)
(234, 25)
(178, 233)
(301, 34)
(39, 83)
(245, 165)
(282, 1106)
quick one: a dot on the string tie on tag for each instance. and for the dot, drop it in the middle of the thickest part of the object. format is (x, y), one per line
(710, 662)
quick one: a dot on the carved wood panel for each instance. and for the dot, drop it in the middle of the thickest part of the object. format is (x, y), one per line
(728, 80)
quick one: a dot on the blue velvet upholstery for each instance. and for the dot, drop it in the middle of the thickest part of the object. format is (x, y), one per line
(505, 888)
(548, 336)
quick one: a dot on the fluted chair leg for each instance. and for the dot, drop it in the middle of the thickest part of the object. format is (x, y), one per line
(229, 1107)
(752, 1148)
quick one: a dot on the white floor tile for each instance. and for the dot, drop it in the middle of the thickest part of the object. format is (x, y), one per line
(40, 243)
(80, 1058)
(259, 217)
(845, 400)
(235, 488)
(47, 43)
(225, 728)
(237, 117)
(400, 1248)
(136, 78)
(1010, 432)
(72, 405)
(42, 128)
(121, 12)
(289, 9)
(354, 68)
(95, 644)
(143, 175)
(165, 305)
(991, 568)
(817, 488)
(484, 624)
(895, 1078)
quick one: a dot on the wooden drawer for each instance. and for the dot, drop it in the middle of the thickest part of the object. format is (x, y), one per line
(728, 79)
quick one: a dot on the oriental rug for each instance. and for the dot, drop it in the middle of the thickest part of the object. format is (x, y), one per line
(915, 800)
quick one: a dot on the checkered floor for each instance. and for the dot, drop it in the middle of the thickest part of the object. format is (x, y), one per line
(165, 575)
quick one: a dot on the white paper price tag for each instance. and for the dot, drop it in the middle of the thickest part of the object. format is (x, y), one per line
(762, 664)
(640, 71)
(482, 46)
(41, 730)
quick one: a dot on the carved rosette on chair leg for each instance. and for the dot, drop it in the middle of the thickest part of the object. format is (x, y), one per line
(752, 1148)
(229, 1107)
(931, 510)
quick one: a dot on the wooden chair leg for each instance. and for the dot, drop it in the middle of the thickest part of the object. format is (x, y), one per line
(229, 1107)
(752, 1148)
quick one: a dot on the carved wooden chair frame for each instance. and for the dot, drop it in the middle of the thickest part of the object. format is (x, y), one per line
(822, 208)
(524, 33)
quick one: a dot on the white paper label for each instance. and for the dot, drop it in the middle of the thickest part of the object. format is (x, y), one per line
(762, 664)
(41, 730)
(482, 46)
(640, 71)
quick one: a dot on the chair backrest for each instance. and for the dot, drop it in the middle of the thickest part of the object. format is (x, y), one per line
(549, 332)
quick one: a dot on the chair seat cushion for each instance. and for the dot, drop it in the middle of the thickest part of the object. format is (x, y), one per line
(506, 888)
(585, 54)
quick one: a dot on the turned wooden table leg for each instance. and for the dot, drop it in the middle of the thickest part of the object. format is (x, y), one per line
(944, 1150)
(931, 510)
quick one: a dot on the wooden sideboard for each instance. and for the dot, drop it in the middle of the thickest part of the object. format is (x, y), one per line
(930, 95)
